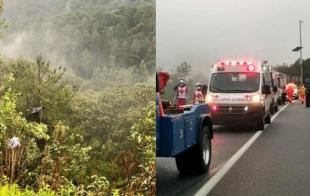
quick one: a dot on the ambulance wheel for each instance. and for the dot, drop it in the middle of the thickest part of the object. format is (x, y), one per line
(203, 152)
(268, 119)
(272, 109)
(260, 125)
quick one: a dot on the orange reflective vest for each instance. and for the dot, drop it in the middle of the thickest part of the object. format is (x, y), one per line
(302, 91)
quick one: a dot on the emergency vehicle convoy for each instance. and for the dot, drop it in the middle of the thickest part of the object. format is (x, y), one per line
(183, 132)
(242, 93)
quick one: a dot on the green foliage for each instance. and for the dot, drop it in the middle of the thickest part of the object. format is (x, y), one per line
(14, 125)
(9, 189)
(93, 113)
(40, 87)
(124, 38)
(142, 138)
(86, 36)
(93, 137)
(99, 184)
(109, 78)
(13, 189)
(294, 69)
(182, 71)
(108, 122)
(58, 156)
(3, 24)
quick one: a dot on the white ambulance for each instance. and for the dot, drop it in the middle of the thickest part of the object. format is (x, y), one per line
(240, 93)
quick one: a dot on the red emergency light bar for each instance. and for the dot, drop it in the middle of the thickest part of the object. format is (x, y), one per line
(249, 64)
(234, 63)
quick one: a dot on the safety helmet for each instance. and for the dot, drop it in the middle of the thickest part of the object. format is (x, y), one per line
(182, 81)
(197, 84)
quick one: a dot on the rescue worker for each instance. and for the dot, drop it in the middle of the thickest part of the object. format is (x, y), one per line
(302, 93)
(198, 97)
(204, 89)
(290, 93)
(181, 93)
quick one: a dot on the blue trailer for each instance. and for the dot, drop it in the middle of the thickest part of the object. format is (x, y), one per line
(184, 133)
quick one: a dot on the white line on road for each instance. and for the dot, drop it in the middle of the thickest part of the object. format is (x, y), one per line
(228, 165)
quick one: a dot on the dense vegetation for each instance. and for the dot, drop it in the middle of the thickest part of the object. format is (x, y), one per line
(294, 70)
(84, 36)
(86, 127)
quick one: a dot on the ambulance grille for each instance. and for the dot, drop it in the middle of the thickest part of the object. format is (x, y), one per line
(230, 110)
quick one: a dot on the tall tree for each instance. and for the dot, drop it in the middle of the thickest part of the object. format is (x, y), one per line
(40, 86)
(2, 21)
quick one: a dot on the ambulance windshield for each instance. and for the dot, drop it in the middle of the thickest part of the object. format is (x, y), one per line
(234, 82)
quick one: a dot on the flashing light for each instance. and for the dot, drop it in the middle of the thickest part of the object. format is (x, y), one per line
(234, 63)
(251, 68)
(246, 108)
(214, 108)
(256, 98)
(208, 99)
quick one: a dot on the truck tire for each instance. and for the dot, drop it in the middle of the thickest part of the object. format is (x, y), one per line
(203, 152)
(184, 161)
(197, 158)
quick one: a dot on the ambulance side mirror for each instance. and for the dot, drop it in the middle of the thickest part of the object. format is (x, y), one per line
(266, 89)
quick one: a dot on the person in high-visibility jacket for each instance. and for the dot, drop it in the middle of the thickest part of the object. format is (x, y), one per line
(198, 95)
(290, 93)
(302, 93)
(181, 93)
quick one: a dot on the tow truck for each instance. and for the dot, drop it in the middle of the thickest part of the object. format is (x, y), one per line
(183, 132)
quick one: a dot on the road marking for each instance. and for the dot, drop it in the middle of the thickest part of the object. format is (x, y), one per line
(275, 116)
(205, 190)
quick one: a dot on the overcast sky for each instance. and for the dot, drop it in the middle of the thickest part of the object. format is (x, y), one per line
(203, 31)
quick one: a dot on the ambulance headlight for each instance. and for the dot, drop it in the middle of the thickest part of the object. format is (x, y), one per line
(256, 98)
(208, 99)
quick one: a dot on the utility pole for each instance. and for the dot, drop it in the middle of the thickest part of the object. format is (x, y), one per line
(300, 51)
(299, 48)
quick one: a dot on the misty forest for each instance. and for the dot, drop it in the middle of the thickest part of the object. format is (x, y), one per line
(77, 115)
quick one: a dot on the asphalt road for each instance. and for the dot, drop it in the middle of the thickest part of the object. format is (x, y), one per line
(278, 163)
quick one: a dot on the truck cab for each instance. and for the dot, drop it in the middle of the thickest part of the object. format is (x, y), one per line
(240, 93)
(183, 132)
